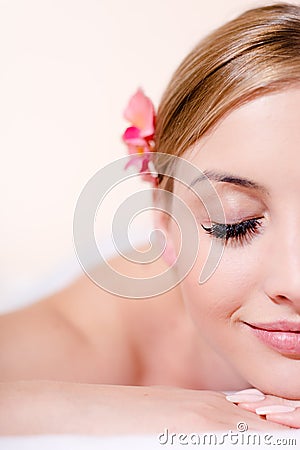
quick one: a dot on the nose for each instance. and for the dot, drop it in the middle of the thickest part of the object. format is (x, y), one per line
(282, 281)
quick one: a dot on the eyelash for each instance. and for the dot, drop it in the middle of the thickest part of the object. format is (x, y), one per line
(240, 233)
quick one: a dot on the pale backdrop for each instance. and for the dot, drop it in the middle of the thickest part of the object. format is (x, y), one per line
(67, 70)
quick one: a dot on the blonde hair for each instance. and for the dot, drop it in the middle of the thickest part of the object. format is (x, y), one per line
(255, 54)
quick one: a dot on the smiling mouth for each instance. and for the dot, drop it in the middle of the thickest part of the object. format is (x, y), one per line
(281, 336)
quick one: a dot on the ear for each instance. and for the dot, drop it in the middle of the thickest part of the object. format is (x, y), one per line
(163, 221)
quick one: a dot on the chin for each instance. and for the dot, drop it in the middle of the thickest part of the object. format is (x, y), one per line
(270, 371)
(281, 391)
(277, 384)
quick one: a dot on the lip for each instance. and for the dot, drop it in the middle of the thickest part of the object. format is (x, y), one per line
(282, 336)
(280, 325)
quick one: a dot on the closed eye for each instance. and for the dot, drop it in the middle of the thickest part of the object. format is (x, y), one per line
(240, 233)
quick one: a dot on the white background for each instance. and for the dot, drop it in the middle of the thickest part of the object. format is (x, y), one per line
(68, 68)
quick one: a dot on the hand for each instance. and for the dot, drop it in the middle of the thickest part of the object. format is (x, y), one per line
(59, 407)
(274, 409)
(199, 410)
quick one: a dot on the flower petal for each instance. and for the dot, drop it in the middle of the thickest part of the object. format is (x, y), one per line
(131, 133)
(143, 163)
(132, 137)
(140, 112)
(149, 178)
(134, 161)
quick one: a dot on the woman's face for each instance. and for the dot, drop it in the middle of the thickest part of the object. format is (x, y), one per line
(249, 309)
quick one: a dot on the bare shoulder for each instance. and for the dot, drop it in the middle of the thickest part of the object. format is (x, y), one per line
(35, 342)
(70, 336)
(81, 333)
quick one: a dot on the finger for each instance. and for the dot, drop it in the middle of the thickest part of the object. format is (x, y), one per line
(282, 401)
(290, 419)
(269, 400)
(248, 395)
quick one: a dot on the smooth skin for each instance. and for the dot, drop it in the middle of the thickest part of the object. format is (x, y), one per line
(106, 355)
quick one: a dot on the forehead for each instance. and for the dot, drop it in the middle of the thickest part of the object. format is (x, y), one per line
(260, 140)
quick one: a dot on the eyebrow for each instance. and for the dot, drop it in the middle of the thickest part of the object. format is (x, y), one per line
(228, 178)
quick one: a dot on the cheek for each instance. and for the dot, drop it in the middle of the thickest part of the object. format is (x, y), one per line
(229, 288)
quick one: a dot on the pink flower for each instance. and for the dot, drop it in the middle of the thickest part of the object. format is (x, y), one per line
(139, 136)
(140, 112)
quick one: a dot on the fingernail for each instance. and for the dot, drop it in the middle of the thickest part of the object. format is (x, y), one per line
(250, 391)
(244, 398)
(274, 409)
